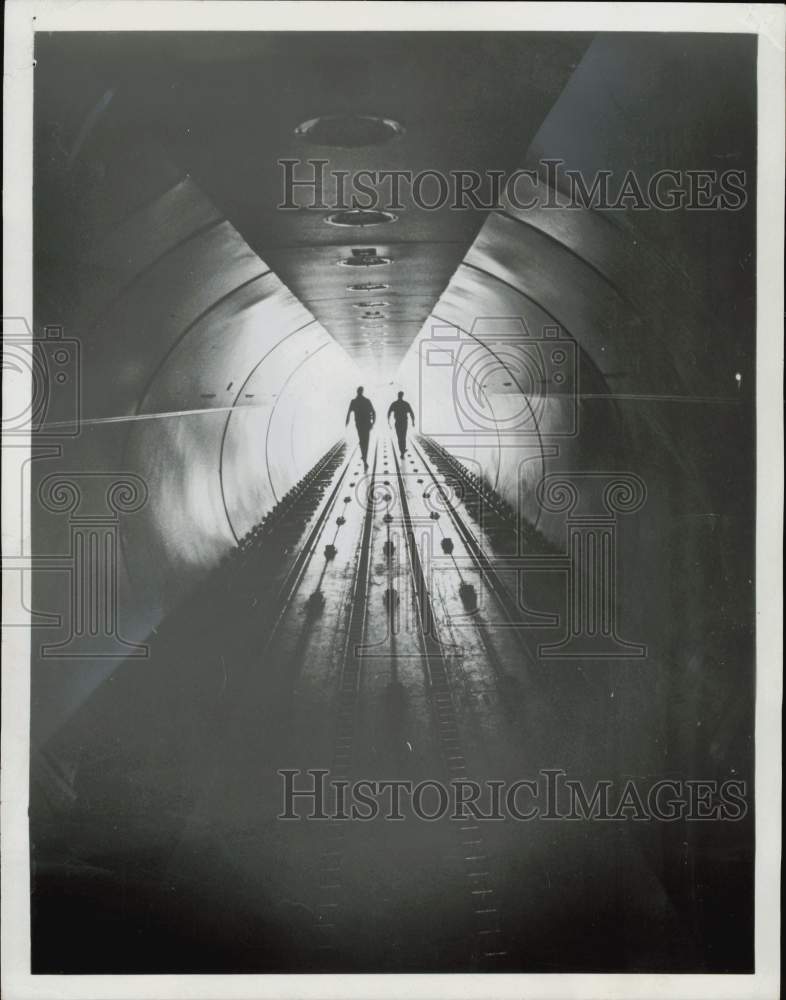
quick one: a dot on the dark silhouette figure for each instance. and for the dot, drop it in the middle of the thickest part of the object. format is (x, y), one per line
(400, 411)
(364, 421)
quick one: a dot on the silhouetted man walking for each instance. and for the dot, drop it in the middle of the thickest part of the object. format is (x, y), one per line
(400, 411)
(364, 421)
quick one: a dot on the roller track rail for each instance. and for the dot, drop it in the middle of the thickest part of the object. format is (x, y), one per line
(333, 855)
(473, 489)
(489, 945)
(505, 531)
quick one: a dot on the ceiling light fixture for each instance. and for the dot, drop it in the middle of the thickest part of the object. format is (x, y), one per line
(360, 217)
(369, 286)
(349, 131)
(369, 259)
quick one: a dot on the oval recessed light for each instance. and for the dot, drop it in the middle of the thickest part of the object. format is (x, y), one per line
(368, 261)
(368, 286)
(349, 131)
(368, 305)
(360, 217)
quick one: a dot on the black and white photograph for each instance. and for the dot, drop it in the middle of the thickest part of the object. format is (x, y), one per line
(392, 506)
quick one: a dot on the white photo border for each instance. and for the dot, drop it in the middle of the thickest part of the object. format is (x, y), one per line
(768, 22)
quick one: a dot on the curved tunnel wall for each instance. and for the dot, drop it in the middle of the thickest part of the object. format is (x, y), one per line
(200, 373)
(659, 307)
(243, 386)
(658, 304)
(184, 332)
